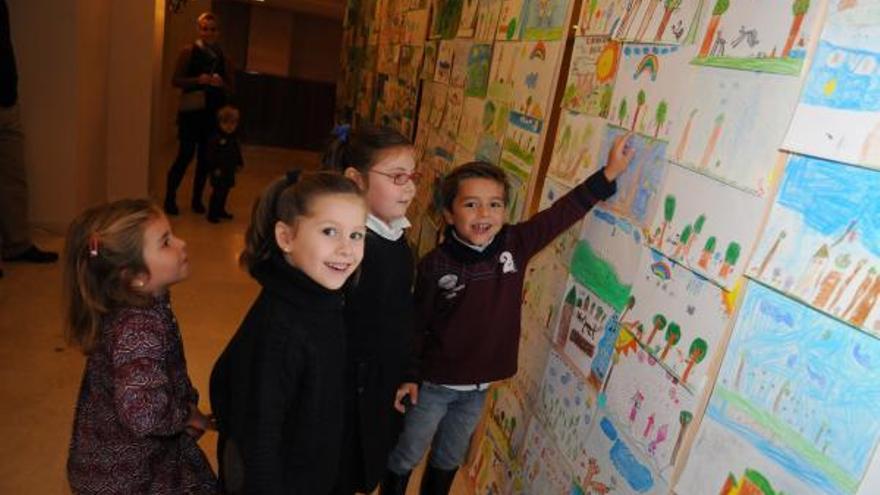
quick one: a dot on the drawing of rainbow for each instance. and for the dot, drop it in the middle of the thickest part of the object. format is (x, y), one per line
(650, 64)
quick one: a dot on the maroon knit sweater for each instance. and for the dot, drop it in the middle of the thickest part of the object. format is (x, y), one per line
(468, 302)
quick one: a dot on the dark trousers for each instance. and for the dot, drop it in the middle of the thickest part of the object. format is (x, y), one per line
(217, 203)
(185, 154)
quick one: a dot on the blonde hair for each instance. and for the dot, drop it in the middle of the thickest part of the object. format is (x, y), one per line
(227, 113)
(103, 254)
(205, 17)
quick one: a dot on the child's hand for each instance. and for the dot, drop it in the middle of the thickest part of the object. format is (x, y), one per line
(204, 79)
(619, 156)
(197, 422)
(216, 80)
(407, 389)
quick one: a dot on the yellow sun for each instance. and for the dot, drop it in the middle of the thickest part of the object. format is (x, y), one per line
(606, 65)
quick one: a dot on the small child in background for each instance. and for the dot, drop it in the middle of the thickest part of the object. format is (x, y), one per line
(277, 389)
(223, 155)
(468, 296)
(137, 416)
(379, 311)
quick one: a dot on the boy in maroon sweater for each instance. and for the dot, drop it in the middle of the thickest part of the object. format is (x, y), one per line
(468, 297)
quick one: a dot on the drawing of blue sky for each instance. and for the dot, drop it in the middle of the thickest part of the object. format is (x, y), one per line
(831, 195)
(818, 376)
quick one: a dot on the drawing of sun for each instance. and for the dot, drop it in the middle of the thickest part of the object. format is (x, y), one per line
(606, 64)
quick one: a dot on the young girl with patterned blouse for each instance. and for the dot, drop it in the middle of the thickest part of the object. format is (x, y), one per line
(137, 416)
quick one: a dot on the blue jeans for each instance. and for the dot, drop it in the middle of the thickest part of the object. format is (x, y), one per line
(446, 416)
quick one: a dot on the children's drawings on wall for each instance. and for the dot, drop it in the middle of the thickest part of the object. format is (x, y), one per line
(460, 52)
(415, 28)
(759, 36)
(567, 406)
(590, 83)
(495, 117)
(445, 56)
(429, 65)
(638, 188)
(544, 19)
(839, 114)
(600, 17)
(733, 129)
(522, 143)
(822, 241)
(544, 282)
(671, 304)
(578, 139)
(799, 389)
(551, 191)
(522, 74)
(452, 115)
(650, 407)
(508, 412)
(698, 225)
(491, 471)
(447, 13)
(478, 59)
(615, 467)
(656, 21)
(649, 88)
(467, 23)
(606, 257)
(488, 13)
(410, 63)
(544, 468)
(587, 332)
(510, 20)
(471, 125)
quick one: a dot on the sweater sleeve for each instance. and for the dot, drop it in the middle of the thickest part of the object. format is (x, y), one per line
(277, 371)
(139, 345)
(423, 295)
(540, 230)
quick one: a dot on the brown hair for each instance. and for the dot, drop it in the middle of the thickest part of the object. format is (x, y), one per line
(471, 170)
(103, 254)
(361, 148)
(284, 200)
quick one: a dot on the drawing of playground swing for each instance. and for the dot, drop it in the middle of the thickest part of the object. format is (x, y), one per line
(758, 35)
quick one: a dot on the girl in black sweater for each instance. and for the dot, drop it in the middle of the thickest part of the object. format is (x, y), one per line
(379, 308)
(277, 389)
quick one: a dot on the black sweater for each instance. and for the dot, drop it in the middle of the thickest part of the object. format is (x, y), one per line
(379, 317)
(277, 389)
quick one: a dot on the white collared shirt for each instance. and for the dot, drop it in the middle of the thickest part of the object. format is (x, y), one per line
(392, 231)
(476, 248)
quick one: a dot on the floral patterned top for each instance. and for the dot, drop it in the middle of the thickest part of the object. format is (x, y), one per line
(134, 400)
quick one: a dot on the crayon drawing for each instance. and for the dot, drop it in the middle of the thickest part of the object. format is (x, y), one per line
(467, 23)
(733, 130)
(410, 64)
(471, 125)
(544, 282)
(614, 466)
(822, 241)
(606, 257)
(759, 35)
(578, 139)
(551, 191)
(656, 21)
(495, 117)
(587, 332)
(415, 28)
(600, 17)
(510, 20)
(697, 226)
(839, 114)
(488, 13)
(490, 470)
(566, 406)
(544, 19)
(649, 88)
(445, 56)
(429, 65)
(648, 403)
(638, 188)
(522, 143)
(669, 302)
(508, 411)
(458, 74)
(478, 59)
(591, 74)
(522, 74)
(544, 469)
(447, 13)
(800, 388)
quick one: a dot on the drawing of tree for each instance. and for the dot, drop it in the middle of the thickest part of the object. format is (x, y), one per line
(731, 256)
(622, 112)
(799, 8)
(659, 324)
(628, 18)
(640, 100)
(694, 28)
(708, 251)
(660, 116)
(669, 6)
(591, 12)
(698, 228)
(683, 239)
(720, 8)
(646, 19)
(766, 261)
(684, 420)
(682, 144)
(630, 302)
(696, 354)
(713, 140)
(668, 214)
(673, 335)
(605, 102)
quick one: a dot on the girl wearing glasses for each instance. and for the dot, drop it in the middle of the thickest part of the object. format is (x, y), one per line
(379, 308)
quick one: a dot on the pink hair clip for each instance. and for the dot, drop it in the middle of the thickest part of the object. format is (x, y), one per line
(93, 245)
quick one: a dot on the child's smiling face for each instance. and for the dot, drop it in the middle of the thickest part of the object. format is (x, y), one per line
(478, 210)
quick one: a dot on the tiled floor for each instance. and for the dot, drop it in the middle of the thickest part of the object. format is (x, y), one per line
(39, 375)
